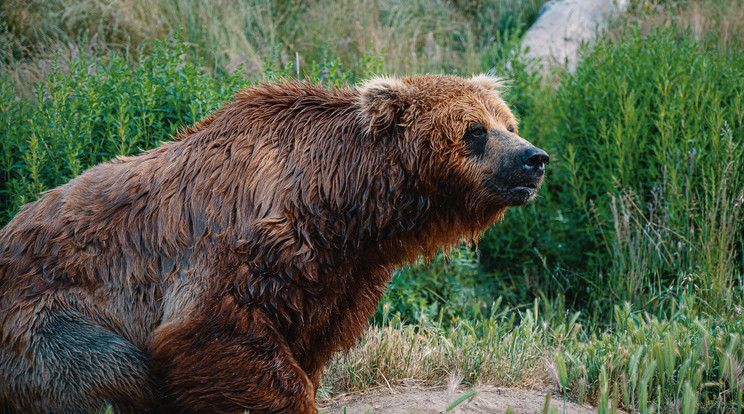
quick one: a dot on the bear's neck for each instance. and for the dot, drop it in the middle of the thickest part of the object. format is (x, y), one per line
(381, 215)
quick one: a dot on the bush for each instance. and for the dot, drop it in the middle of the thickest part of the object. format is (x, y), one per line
(444, 290)
(643, 195)
(95, 113)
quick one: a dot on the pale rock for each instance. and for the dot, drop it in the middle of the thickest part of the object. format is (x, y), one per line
(561, 27)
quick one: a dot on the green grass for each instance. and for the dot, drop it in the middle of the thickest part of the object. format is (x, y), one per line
(719, 22)
(688, 361)
(95, 111)
(414, 36)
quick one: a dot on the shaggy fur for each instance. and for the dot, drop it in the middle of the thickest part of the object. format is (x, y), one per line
(220, 271)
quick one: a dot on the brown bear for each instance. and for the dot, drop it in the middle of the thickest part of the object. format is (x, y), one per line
(220, 271)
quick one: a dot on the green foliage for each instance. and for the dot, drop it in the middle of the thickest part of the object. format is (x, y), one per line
(96, 112)
(460, 400)
(493, 20)
(106, 409)
(684, 363)
(643, 195)
(490, 349)
(444, 290)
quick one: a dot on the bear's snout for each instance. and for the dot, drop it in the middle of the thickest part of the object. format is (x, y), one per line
(519, 174)
(533, 161)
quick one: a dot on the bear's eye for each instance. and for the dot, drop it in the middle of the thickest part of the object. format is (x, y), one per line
(511, 128)
(475, 139)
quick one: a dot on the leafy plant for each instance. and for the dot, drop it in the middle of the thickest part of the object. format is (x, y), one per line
(96, 112)
(643, 195)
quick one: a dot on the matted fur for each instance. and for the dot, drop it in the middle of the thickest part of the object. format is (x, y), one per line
(220, 271)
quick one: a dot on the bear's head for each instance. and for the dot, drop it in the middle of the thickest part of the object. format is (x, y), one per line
(459, 137)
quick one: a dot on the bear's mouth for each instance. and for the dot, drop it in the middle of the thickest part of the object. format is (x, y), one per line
(523, 190)
(522, 194)
(518, 192)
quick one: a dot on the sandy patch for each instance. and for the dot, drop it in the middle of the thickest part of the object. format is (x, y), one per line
(417, 400)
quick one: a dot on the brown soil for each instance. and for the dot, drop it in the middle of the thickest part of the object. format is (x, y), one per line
(417, 400)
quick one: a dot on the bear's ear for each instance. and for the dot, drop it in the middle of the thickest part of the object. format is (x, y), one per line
(492, 83)
(383, 102)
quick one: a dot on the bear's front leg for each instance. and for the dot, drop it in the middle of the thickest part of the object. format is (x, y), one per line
(229, 364)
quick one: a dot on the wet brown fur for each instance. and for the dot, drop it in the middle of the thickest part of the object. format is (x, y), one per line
(220, 271)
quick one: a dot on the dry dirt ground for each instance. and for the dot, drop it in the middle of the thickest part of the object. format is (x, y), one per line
(489, 399)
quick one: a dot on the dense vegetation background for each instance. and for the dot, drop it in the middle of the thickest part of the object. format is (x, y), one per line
(627, 270)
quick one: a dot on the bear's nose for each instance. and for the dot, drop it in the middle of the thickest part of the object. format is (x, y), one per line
(534, 160)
